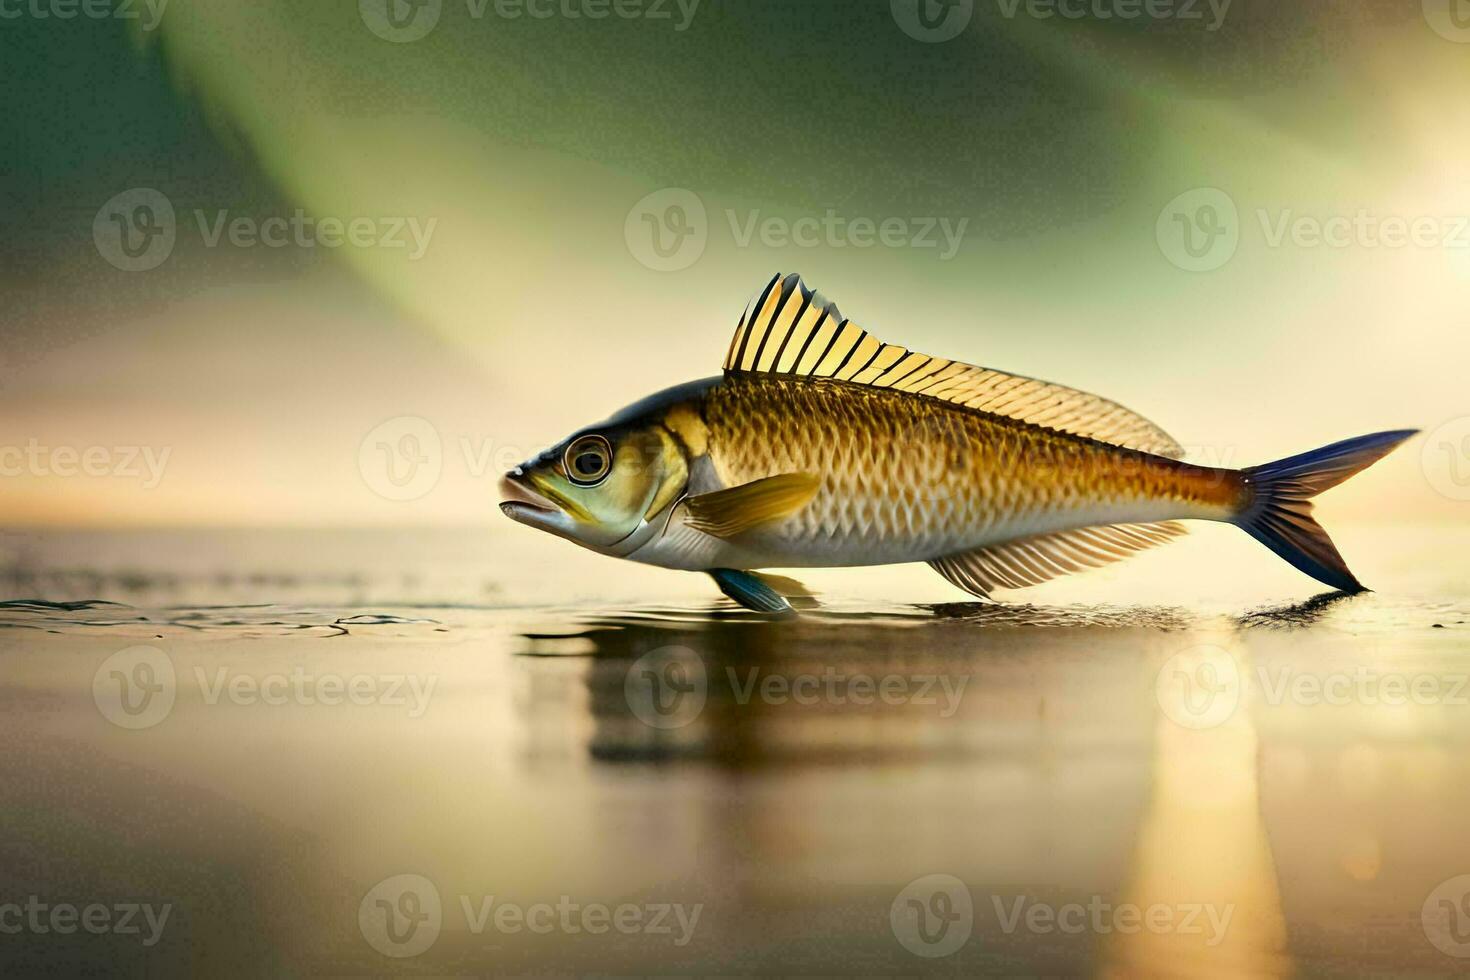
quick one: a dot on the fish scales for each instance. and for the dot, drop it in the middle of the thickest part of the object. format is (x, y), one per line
(904, 473)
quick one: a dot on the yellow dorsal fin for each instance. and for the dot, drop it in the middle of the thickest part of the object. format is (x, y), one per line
(790, 329)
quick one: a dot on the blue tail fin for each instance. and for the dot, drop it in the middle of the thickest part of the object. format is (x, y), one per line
(1280, 512)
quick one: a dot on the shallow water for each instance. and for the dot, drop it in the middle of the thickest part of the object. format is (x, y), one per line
(351, 753)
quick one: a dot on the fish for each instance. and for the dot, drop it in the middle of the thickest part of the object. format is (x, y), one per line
(820, 445)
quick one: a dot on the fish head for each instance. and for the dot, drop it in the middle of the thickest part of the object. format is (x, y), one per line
(600, 486)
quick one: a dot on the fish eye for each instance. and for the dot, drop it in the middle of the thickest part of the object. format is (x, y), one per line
(588, 460)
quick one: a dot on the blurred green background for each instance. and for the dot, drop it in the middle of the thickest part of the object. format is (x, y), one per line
(538, 157)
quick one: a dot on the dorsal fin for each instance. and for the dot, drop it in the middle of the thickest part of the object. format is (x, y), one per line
(790, 329)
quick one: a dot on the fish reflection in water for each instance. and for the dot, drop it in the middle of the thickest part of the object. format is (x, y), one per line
(909, 682)
(874, 687)
(970, 737)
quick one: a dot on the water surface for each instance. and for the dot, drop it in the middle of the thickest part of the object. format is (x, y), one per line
(266, 732)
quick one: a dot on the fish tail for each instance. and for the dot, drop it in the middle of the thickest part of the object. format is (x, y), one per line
(1279, 514)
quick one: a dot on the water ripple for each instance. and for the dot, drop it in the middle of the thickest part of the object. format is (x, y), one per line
(92, 616)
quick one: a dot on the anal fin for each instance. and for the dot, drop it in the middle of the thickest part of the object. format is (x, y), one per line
(1021, 562)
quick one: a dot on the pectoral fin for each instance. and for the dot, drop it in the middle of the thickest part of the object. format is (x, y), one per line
(747, 589)
(724, 513)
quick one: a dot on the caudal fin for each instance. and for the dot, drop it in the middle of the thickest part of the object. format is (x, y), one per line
(1280, 512)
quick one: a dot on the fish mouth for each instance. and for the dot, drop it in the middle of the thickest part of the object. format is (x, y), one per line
(523, 502)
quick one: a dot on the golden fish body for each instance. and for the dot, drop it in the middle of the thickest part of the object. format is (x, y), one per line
(908, 478)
